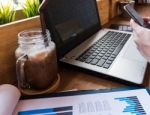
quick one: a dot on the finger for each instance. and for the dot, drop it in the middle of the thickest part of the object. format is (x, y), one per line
(138, 41)
(137, 45)
(136, 28)
(135, 38)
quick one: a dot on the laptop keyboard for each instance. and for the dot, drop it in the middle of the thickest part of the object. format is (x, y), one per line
(104, 51)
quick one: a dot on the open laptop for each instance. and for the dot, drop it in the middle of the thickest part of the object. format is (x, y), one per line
(75, 28)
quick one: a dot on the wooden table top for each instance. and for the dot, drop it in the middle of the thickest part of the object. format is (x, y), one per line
(70, 78)
(76, 79)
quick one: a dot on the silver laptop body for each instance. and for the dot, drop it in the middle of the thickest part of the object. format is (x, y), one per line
(129, 65)
(75, 28)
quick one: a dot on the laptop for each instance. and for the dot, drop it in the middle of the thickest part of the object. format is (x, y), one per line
(81, 41)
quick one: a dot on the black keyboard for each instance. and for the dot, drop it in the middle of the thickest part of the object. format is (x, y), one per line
(104, 51)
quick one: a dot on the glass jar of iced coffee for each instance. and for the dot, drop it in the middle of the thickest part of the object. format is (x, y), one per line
(36, 64)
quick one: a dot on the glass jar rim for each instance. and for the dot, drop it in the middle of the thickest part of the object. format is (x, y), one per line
(33, 35)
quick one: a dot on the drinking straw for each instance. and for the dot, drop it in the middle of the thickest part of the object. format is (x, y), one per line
(43, 25)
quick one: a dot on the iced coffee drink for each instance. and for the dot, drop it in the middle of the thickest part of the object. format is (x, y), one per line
(36, 63)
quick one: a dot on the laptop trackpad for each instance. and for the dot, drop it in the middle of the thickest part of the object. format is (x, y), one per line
(132, 53)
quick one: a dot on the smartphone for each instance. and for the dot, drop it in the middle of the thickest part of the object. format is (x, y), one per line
(135, 16)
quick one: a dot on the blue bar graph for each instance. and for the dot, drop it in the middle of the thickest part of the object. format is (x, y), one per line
(134, 106)
(49, 111)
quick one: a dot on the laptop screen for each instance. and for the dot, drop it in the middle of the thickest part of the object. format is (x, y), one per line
(71, 22)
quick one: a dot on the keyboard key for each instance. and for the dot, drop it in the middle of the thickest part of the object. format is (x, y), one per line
(101, 47)
(81, 59)
(94, 47)
(103, 52)
(101, 55)
(113, 56)
(109, 52)
(88, 60)
(85, 56)
(94, 54)
(117, 50)
(94, 61)
(97, 51)
(91, 57)
(106, 65)
(101, 62)
(108, 62)
(111, 59)
(90, 51)
(98, 57)
(105, 57)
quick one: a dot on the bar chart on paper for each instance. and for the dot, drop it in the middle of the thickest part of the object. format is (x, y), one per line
(134, 107)
(49, 111)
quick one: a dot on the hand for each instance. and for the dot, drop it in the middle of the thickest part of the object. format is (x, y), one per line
(141, 37)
